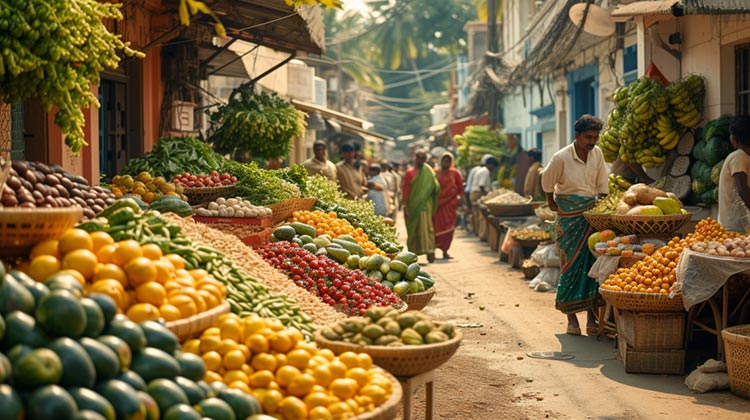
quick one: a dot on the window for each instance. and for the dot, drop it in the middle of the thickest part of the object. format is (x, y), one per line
(742, 76)
(629, 64)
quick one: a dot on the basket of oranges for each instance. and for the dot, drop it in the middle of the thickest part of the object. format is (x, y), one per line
(21, 227)
(194, 325)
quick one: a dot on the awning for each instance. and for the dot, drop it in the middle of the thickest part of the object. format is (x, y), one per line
(222, 62)
(458, 126)
(271, 23)
(329, 113)
(367, 134)
(681, 8)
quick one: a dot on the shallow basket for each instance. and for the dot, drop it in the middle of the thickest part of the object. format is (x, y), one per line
(389, 409)
(511, 210)
(599, 221)
(737, 350)
(530, 271)
(417, 301)
(22, 228)
(400, 361)
(305, 204)
(642, 302)
(196, 324)
(205, 194)
(650, 225)
(282, 210)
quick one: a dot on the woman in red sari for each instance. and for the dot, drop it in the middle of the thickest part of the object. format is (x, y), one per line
(451, 194)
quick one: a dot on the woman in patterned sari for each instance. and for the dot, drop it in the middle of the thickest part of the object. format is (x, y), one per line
(572, 180)
(420, 193)
(451, 194)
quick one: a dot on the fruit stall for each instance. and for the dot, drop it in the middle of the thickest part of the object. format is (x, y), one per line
(203, 287)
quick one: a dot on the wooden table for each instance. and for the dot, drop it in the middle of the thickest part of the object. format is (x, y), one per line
(410, 384)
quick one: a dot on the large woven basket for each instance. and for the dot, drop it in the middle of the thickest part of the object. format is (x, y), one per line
(22, 228)
(389, 409)
(305, 204)
(737, 349)
(196, 324)
(282, 210)
(650, 225)
(642, 302)
(205, 194)
(399, 361)
(511, 210)
(599, 221)
(417, 301)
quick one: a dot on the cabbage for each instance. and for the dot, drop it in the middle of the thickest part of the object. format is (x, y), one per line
(716, 149)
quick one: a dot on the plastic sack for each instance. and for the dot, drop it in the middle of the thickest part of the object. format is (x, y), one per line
(548, 275)
(546, 255)
(603, 267)
(701, 382)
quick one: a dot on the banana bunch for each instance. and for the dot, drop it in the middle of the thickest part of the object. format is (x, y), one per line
(609, 203)
(686, 98)
(55, 50)
(617, 183)
(667, 134)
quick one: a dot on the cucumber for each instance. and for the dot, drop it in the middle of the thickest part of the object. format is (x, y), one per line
(304, 229)
(338, 254)
(348, 238)
(353, 248)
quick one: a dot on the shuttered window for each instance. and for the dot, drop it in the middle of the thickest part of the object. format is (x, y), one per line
(742, 76)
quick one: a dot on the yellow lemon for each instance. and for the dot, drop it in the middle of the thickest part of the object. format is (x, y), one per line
(285, 374)
(300, 385)
(293, 408)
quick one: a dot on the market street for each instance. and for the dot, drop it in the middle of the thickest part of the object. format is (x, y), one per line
(492, 377)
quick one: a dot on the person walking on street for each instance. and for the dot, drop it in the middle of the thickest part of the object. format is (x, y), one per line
(734, 179)
(451, 195)
(480, 186)
(391, 182)
(352, 181)
(319, 163)
(574, 178)
(377, 191)
(420, 194)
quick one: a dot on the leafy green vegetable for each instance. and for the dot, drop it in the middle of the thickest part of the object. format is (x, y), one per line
(258, 123)
(478, 140)
(175, 155)
(260, 186)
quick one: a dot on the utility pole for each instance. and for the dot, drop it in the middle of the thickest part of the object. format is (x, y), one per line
(492, 47)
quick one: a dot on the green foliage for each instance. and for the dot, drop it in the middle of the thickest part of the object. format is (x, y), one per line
(260, 186)
(478, 140)
(174, 155)
(259, 123)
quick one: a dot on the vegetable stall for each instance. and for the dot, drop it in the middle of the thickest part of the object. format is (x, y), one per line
(193, 285)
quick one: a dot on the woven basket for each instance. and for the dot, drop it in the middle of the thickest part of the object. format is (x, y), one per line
(599, 221)
(204, 195)
(642, 302)
(389, 409)
(510, 210)
(399, 361)
(417, 301)
(529, 270)
(737, 349)
(22, 228)
(304, 204)
(650, 225)
(282, 210)
(196, 324)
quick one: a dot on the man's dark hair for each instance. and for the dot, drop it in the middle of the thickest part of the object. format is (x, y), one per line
(588, 122)
(740, 129)
(535, 154)
(491, 161)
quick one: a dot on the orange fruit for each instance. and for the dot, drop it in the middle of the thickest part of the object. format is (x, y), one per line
(99, 239)
(176, 260)
(350, 359)
(126, 251)
(338, 369)
(241, 386)
(365, 361)
(344, 388)
(298, 358)
(281, 342)
(81, 260)
(211, 300)
(293, 408)
(322, 374)
(261, 379)
(151, 251)
(272, 400)
(169, 312)
(358, 374)
(151, 292)
(140, 270)
(257, 343)
(285, 374)
(231, 328)
(317, 399)
(300, 385)
(264, 361)
(184, 304)
(227, 345)
(111, 288)
(110, 271)
(143, 312)
(164, 270)
(73, 239)
(46, 247)
(235, 375)
(234, 359)
(212, 377)
(212, 360)
(43, 266)
(319, 413)
(105, 253)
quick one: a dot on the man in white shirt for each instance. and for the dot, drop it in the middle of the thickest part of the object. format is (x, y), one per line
(480, 186)
(573, 180)
(734, 190)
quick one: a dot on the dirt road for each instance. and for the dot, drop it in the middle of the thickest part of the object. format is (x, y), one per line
(492, 377)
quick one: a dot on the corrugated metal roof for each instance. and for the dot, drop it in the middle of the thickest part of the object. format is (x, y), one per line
(682, 7)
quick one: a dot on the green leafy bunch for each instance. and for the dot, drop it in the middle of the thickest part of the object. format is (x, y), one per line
(294, 174)
(259, 123)
(260, 186)
(174, 155)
